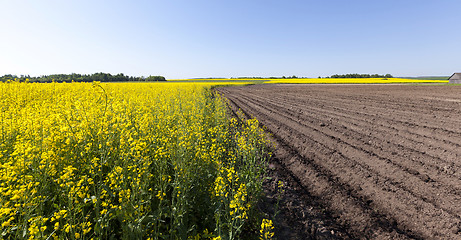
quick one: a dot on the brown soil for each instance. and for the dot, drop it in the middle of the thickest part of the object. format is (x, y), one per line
(361, 161)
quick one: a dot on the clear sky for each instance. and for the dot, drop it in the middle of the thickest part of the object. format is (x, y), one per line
(218, 38)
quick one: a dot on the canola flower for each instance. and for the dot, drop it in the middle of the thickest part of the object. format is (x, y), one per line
(125, 160)
(266, 232)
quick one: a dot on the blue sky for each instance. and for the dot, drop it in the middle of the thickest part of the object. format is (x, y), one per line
(217, 38)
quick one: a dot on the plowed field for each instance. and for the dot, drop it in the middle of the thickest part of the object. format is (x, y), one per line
(384, 161)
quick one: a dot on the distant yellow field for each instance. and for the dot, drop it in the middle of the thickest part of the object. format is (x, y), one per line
(225, 81)
(354, 80)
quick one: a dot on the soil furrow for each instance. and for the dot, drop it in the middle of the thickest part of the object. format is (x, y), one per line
(355, 173)
(444, 155)
(381, 120)
(337, 196)
(372, 155)
(378, 140)
(373, 164)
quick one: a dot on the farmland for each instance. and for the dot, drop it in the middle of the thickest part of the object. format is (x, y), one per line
(178, 159)
(380, 161)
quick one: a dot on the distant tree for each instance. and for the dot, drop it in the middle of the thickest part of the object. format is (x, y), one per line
(155, 79)
(388, 76)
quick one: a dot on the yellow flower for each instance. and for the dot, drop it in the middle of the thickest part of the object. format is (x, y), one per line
(6, 224)
(266, 231)
(67, 228)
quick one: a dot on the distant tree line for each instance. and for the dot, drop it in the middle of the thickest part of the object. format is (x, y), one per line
(265, 77)
(350, 75)
(99, 77)
(357, 75)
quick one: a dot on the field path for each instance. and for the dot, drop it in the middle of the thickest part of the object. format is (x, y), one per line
(384, 161)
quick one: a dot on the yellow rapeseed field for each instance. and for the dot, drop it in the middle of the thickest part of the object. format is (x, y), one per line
(125, 161)
(353, 80)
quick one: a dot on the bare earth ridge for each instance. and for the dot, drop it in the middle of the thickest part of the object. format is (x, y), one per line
(362, 161)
